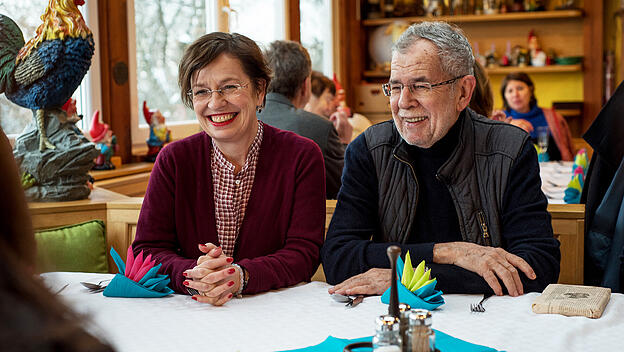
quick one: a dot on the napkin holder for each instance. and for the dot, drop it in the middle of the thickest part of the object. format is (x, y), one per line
(426, 297)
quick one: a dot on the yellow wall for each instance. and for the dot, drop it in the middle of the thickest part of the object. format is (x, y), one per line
(549, 87)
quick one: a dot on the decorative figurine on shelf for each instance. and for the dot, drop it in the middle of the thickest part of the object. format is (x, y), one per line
(517, 6)
(41, 75)
(105, 141)
(520, 56)
(434, 8)
(159, 134)
(538, 56)
(491, 58)
(478, 56)
(506, 59)
(71, 114)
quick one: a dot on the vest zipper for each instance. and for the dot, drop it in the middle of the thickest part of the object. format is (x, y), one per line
(417, 187)
(484, 228)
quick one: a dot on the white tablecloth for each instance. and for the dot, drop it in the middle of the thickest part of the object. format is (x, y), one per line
(305, 315)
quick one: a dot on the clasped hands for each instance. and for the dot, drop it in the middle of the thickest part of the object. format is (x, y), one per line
(213, 276)
(493, 264)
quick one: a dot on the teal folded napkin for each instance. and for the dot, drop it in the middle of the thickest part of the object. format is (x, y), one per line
(426, 297)
(138, 279)
(444, 343)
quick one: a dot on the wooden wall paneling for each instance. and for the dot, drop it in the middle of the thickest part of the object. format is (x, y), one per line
(113, 27)
(122, 217)
(593, 63)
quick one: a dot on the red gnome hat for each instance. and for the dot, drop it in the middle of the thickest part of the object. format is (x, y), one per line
(337, 83)
(69, 107)
(98, 129)
(147, 113)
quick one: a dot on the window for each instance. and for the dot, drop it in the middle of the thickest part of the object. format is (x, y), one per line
(26, 14)
(316, 33)
(158, 37)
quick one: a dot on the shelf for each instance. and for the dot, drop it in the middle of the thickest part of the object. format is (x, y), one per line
(502, 70)
(513, 16)
(124, 170)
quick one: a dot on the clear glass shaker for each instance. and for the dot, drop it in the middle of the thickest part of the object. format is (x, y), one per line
(404, 310)
(387, 335)
(420, 335)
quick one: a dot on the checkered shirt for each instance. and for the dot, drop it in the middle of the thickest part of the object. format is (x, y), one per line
(231, 192)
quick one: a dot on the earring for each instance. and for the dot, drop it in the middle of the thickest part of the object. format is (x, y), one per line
(259, 108)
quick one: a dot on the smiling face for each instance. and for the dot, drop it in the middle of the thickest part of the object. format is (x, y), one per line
(424, 121)
(518, 96)
(230, 119)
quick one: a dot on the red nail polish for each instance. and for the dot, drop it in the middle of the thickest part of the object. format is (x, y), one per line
(231, 271)
(195, 298)
(184, 274)
(185, 283)
(230, 295)
(231, 283)
(229, 260)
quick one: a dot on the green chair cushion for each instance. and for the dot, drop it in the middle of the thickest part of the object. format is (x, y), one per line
(79, 247)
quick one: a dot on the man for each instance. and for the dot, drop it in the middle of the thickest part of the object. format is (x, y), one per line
(448, 185)
(288, 93)
(323, 102)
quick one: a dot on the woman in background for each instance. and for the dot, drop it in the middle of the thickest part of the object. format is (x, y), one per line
(240, 207)
(31, 318)
(520, 109)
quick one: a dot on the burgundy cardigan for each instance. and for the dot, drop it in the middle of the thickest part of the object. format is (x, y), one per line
(282, 231)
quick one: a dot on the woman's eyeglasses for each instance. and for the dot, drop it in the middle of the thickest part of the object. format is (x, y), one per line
(417, 89)
(204, 94)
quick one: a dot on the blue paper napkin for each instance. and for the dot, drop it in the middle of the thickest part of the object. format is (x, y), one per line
(444, 343)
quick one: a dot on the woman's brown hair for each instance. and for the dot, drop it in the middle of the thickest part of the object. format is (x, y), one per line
(209, 47)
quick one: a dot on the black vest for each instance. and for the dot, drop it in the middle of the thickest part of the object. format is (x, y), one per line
(476, 176)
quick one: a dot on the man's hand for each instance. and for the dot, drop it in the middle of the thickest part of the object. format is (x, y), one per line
(373, 282)
(489, 262)
(342, 125)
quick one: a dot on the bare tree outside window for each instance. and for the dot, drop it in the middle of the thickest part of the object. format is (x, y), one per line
(164, 28)
(14, 118)
(316, 33)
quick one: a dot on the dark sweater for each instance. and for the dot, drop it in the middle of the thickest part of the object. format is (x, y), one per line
(526, 228)
(281, 233)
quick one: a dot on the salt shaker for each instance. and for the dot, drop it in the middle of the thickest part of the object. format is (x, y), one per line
(420, 335)
(387, 335)
(404, 310)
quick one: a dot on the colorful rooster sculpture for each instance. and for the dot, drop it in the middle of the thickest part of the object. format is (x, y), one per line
(42, 74)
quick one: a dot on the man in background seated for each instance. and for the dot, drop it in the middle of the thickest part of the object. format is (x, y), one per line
(288, 93)
(323, 102)
(453, 188)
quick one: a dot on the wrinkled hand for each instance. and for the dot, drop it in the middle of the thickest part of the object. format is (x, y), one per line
(214, 276)
(489, 262)
(522, 123)
(373, 282)
(342, 125)
(499, 115)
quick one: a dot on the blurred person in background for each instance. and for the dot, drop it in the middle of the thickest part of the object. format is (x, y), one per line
(520, 109)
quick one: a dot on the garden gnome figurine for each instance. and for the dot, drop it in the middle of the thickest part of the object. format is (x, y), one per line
(105, 142)
(159, 134)
(538, 56)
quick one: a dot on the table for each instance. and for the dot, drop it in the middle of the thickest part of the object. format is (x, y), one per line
(305, 315)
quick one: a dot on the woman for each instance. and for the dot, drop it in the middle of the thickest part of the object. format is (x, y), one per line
(31, 318)
(482, 100)
(239, 207)
(520, 108)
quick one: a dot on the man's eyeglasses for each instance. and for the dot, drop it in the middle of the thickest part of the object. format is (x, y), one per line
(204, 94)
(417, 89)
